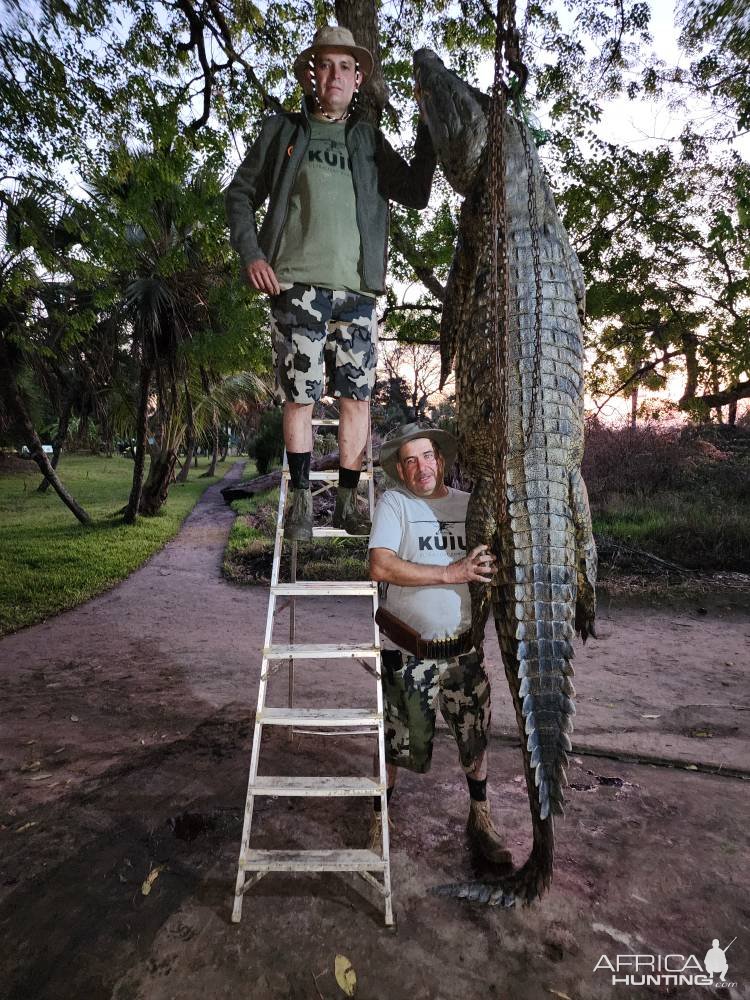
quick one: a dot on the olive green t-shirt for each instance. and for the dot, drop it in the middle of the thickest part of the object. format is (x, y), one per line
(320, 243)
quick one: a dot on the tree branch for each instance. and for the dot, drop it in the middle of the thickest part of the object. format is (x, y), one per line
(712, 399)
(666, 356)
(407, 251)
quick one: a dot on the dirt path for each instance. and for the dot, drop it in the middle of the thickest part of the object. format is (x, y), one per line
(124, 742)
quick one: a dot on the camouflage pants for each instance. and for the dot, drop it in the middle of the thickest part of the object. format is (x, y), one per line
(412, 691)
(323, 338)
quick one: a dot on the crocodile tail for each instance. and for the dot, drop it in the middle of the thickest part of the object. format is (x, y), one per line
(535, 625)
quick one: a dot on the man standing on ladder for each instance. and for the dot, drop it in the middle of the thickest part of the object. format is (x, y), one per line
(418, 556)
(321, 255)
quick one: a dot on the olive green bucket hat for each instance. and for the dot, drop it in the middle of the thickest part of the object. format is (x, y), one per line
(410, 432)
(331, 36)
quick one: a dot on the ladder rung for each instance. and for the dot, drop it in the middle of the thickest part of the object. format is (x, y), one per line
(325, 588)
(319, 650)
(318, 717)
(326, 422)
(326, 533)
(334, 533)
(313, 861)
(323, 787)
(331, 476)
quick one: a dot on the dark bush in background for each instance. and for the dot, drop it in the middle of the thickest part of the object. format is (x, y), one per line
(267, 447)
(682, 494)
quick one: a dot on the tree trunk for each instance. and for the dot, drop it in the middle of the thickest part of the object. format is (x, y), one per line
(59, 439)
(16, 409)
(211, 471)
(634, 407)
(732, 413)
(361, 18)
(690, 347)
(131, 511)
(190, 446)
(156, 488)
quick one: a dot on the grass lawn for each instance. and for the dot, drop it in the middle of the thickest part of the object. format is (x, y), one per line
(49, 562)
(693, 532)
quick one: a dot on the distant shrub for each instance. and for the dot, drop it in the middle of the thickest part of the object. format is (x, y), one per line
(682, 494)
(645, 460)
(267, 447)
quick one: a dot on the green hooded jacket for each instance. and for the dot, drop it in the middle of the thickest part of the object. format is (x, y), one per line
(379, 174)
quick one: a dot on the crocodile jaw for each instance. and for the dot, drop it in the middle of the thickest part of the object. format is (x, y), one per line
(455, 115)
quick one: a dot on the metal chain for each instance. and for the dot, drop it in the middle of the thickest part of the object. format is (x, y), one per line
(499, 277)
(536, 376)
(507, 49)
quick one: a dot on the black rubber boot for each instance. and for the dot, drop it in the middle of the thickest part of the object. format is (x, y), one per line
(298, 520)
(347, 516)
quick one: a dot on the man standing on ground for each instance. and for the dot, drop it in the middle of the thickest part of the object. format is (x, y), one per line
(321, 255)
(418, 556)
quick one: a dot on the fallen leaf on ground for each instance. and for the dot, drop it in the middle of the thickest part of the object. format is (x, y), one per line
(691, 767)
(152, 877)
(39, 777)
(650, 716)
(557, 993)
(26, 826)
(346, 977)
(33, 765)
(74, 718)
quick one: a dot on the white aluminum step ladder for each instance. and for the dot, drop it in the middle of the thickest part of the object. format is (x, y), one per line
(253, 863)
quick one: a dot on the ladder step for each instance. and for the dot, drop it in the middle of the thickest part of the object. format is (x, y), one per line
(316, 786)
(312, 861)
(330, 476)
(325, 533)
(319, 650)
(325, 588)
(318, 717)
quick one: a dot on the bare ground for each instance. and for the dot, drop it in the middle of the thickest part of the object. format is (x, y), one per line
(125, 738)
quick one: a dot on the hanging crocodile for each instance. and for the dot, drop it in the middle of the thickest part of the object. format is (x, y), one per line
(519, 391)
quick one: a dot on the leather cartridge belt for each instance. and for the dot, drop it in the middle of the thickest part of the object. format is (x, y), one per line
(424, 649)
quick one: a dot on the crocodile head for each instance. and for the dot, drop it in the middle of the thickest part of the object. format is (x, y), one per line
(456, 115)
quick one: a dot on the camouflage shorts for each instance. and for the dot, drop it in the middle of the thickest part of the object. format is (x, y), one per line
(412, 691)
(323, 339)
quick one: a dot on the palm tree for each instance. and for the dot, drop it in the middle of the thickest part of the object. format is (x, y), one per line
(35, 234)
(160, 219)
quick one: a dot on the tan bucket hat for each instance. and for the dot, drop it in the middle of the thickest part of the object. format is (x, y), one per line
(410, 432)
(331, 36)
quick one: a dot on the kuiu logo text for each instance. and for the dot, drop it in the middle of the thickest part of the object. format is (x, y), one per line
(441, 543)
(333, 159)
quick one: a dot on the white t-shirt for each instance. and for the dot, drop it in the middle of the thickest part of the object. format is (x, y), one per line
(431, 533)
